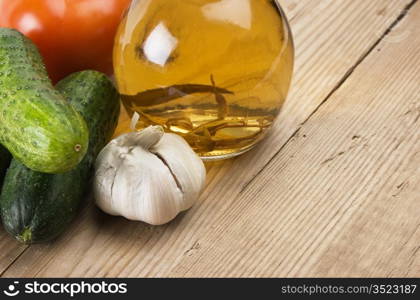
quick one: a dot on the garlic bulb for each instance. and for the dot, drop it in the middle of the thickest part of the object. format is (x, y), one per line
(148, 176)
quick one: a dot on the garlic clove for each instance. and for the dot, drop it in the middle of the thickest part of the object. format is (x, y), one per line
(147, 180)
(187, 168)
(111, 158)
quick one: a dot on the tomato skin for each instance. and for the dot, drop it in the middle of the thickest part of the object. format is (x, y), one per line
(72, 35)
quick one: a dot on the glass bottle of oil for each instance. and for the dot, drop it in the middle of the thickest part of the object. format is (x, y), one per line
(213, 71)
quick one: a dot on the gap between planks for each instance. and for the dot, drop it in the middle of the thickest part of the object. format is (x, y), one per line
(14, 260)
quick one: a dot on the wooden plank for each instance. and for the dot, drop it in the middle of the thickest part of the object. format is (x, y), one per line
(9, 250)
(330, 39)
(342, 198)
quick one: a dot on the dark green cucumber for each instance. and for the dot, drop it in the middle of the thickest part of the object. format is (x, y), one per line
(5, 158)
(37, 207)
(37, 125)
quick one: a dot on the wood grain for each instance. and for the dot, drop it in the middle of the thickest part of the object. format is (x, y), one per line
(9, 249)
(277, 210)
(342, 198)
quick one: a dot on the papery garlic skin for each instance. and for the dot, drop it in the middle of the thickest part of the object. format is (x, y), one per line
(186, 165)
(148, 176)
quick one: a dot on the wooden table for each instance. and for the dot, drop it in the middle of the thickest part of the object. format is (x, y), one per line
(333, 191)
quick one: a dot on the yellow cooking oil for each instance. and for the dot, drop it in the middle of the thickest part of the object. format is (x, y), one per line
(215, 72)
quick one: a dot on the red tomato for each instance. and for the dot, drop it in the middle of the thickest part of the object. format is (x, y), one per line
(72, 35)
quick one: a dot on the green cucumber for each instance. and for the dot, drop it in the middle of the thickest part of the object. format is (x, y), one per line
(5, 158)
(37, 207)
(37, 125)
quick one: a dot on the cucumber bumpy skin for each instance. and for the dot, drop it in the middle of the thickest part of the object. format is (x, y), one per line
(37, 125)
(37, 207)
